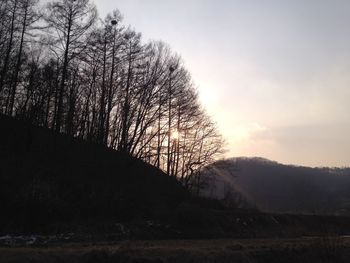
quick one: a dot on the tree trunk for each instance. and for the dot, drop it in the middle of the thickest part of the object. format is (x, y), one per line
(19, 60)
(8, 52)
(64, 76)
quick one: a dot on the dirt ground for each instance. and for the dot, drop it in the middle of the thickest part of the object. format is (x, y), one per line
(306, 249)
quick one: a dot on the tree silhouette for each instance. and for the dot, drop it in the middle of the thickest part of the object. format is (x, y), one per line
(95, 79)
(69, 22)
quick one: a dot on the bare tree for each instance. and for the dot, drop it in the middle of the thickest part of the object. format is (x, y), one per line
(29, 16)
(69, 21)
(10, 9)
(101, 83)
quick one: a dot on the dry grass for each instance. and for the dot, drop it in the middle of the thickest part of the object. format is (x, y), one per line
(332, 249)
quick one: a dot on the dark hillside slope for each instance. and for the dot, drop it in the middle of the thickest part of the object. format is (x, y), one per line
(59, 189)
(47, 178)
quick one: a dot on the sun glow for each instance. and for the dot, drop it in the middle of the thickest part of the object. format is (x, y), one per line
(175, 135)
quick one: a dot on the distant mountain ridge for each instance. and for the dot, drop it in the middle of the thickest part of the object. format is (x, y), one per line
(274, 187)
(272, 162)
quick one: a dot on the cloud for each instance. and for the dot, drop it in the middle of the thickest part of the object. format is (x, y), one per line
(272, 74)
(246, 132)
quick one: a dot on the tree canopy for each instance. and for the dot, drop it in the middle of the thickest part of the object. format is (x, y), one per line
(65, 69)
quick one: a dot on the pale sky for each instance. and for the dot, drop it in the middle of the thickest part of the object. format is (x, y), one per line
(273, 74)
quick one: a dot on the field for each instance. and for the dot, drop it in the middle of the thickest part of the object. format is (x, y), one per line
(306, 249)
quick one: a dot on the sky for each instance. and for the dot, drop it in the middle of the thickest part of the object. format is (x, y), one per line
(273, 74)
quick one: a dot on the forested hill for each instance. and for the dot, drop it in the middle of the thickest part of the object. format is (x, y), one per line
(98, 80)
(274, 187)
(47, 177)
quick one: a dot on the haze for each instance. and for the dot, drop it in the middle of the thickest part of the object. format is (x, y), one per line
(274, 75)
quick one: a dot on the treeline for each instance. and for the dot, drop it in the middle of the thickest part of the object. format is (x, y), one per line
(64, 68)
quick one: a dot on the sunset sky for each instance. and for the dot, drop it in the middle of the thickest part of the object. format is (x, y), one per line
(274, 75)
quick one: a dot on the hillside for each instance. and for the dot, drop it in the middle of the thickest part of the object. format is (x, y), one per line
(48, 178)
(274, 187)
(57, 189)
